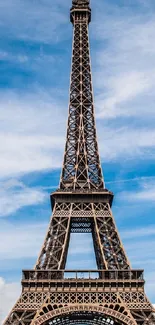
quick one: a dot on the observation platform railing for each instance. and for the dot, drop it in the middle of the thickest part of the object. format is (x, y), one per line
(65, 275)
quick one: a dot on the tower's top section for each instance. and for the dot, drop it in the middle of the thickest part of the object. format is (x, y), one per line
(82, 3)
(81, 168)
(80, 11)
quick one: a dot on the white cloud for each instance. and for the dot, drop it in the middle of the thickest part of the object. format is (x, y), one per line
(9, 293)
(30, 137)
(131, 180)
(28, 153)
(140, 250)
(21, 240)
(12, 57)
(145, 195)
(125, 76)
(127, 142)
(33, 135)
(138, 232)
(149, 286)
(145, 192)
(15, 195)
(125, 88)
(32, 132)
(33, 126)
(25, 21)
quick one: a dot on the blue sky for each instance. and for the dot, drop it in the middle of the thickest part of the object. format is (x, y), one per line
(35, 56)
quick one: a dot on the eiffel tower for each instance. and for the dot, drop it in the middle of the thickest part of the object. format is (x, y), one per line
(114, 293)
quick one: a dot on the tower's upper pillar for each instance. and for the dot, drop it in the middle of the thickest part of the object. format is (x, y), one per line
(80, 11)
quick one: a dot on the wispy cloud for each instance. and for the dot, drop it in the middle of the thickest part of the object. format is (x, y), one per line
(15, 195)
(9, 292)
(21, 240)
(140, 249)
(30, 137)
(126, 61)
(22, 20)
(127, 142)
(11, 57)
(138, 232)
(145, 192)
(33, 121)
(132, 180)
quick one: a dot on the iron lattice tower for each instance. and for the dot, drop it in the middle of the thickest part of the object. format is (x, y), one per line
(51, 295)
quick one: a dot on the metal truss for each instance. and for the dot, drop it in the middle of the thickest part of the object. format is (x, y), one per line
(88, 306)
(81, 168)
(114, 293)
(83, 217)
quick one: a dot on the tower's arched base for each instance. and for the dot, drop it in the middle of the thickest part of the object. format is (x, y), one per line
(83, 318)
(85, 314)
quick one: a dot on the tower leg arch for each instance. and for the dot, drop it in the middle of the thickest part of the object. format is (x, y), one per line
(89, 314)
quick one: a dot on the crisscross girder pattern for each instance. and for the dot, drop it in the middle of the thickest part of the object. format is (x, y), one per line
(41, 299)
(81, 168)
(83, 217)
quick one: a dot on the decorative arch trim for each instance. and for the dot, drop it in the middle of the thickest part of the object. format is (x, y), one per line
(75, 308)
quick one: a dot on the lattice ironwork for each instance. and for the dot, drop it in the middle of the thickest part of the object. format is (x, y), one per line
(114, 293)
(91, 217)
(81, 168)
(34, 300)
